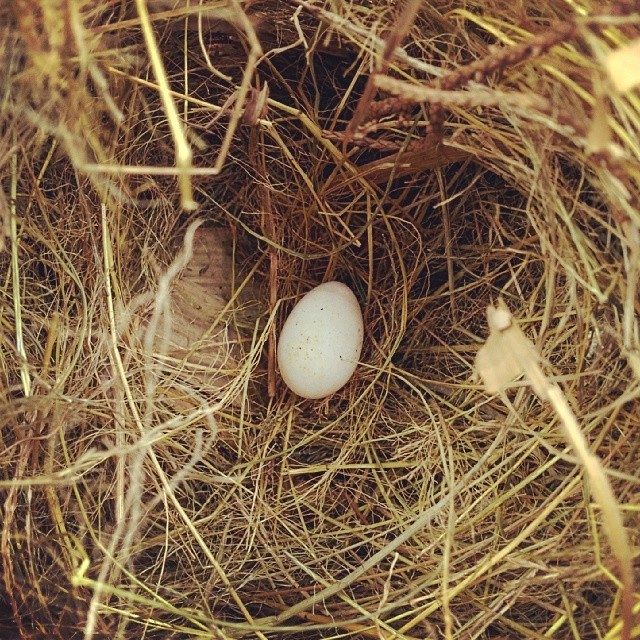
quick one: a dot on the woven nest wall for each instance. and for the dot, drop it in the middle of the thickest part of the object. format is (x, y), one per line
(175, 175)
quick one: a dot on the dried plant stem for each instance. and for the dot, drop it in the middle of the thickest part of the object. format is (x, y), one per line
(270, 232)
(255, 51)
(480, 70)
(393, 40)
(183, 149)
(25, 376)
(612, 516)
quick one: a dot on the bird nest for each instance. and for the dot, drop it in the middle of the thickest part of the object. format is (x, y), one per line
(175, 175)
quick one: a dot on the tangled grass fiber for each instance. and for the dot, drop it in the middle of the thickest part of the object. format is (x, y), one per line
(189, 169)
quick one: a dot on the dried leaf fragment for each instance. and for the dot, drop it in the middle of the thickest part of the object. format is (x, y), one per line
(507, 353)
(623, 66)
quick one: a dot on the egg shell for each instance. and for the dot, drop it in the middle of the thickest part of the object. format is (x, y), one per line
(321, 341)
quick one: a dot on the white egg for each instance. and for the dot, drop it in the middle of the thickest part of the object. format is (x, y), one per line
(321, 341)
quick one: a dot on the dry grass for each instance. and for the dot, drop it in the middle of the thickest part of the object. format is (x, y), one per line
(436, 158)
